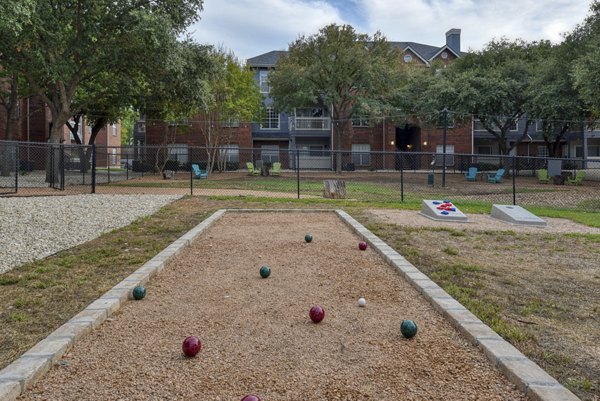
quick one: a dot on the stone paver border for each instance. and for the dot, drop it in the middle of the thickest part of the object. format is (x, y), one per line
(521, 371)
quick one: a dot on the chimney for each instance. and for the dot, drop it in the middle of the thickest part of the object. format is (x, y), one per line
(453, 40)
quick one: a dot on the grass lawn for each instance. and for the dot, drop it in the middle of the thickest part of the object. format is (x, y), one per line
(539, 291)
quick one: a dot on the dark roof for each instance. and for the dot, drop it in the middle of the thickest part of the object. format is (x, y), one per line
(266, 60)
(426, 52)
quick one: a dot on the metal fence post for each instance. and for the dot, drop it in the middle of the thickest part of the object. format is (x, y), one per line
(298, 171)
(192, 177)
(61, 164)
(94, 168)
(401, 177)
(17, 167)
(514, 182)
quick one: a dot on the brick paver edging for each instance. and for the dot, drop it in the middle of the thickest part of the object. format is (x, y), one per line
(520, 370)
(33, 364)
(525, 374)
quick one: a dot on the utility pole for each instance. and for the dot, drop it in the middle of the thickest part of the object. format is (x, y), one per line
(445, 116)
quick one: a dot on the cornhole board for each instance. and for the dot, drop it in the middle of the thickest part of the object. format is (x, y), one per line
(513, 214)
(435, 210)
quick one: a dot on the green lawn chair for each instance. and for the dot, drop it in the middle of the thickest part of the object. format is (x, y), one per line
(578, 178)
(276, 169)
(251, 169)
(542, 176)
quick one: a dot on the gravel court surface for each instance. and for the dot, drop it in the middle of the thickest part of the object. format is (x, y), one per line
(257, 337)
(36, 227)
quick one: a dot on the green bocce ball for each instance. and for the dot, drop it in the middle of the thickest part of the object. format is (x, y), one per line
(408, 328)
(308, 237)
(139, 292)
(265, 271)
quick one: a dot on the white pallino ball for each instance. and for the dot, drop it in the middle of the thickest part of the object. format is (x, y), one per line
(362, 302)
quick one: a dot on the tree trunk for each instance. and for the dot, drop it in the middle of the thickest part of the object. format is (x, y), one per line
(6, 153)
(334, 189)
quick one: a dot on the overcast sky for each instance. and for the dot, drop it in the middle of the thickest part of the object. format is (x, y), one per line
(254, 27)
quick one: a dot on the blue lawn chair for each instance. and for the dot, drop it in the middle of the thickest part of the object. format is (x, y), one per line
(497, 177)
(199, 173)
(471, 175)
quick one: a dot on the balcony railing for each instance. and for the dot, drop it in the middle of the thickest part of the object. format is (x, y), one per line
(310, 123)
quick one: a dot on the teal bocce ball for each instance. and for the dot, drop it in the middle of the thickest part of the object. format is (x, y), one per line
(265, 271)
(139, 292)
(408, 328)
(308, 238)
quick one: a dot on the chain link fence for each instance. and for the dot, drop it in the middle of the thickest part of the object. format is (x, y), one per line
(42, 169)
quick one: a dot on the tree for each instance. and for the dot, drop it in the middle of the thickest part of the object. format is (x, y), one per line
(491, 85)
(179, 91)
(12, 20)
(234, 98)
(72, 42)
(554, 100)
(585, 42)
(339, 69)
(68, 43)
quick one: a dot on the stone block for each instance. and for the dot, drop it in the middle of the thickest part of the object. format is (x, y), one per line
(9, 390)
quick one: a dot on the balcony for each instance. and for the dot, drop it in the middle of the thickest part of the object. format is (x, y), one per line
(309, 123)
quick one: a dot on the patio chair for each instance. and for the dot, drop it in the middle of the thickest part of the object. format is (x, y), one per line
(579, 176)
(198, 173)
(497, 177)
(542, 176)
(251, 169)
(471, 175)
(276, 169)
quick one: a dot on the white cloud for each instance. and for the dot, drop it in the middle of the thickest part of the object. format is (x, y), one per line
(427, 21)
(251, 28)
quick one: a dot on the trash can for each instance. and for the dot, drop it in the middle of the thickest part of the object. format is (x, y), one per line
(430, 179)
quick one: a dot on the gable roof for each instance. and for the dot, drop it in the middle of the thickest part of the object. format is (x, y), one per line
(267, 59)
(425, 52)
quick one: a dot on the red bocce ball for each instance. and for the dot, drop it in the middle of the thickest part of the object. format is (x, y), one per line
(362, 245)
(191, 346)
(316, 314)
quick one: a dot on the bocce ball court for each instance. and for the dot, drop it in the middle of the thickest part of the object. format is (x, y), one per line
(256, 333)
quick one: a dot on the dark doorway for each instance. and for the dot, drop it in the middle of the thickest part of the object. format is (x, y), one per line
(407, 140)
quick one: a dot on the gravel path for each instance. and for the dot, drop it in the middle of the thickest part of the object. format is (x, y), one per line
(33, 228)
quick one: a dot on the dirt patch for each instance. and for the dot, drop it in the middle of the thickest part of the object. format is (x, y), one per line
(256, 333)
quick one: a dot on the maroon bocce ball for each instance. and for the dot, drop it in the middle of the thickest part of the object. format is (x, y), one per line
(362, 245)
(191, 346)
(251, 397)
(317, 314)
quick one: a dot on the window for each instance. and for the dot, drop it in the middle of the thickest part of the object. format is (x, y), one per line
(593, 151)
(178, 152)
(482, 150)
(114, 129)
(439, 157)
(271, 120)
(113, 157)
(360, 121)
(312, 150)
(542, 151)
(263, 79)
(361, 154)
(269, 153)
(230, 153)
(407, 58)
